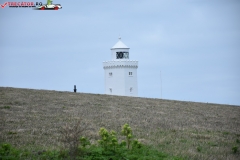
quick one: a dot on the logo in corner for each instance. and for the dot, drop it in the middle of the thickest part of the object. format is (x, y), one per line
(48, 6)
(4, 4)
(33, 5)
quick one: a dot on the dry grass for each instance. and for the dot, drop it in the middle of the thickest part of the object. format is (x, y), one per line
(34, 119)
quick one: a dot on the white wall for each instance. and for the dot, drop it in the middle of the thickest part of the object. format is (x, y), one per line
(120, 81)
(131, 82)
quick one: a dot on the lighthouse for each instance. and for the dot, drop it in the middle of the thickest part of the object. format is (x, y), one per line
(120, 72)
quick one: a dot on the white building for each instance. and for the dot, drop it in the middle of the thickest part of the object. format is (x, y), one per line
(120, 72)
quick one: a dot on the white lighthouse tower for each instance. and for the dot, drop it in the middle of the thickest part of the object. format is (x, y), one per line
(120, 72)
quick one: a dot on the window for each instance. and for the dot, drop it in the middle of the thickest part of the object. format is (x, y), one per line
(131, 89)
(122, 55)
(130, 74)
(110, 89)
(110, 73)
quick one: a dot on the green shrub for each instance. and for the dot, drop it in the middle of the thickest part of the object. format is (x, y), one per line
(234, 149)
(108, 148)
(199, 148)
(11, 133)
(84, 142)
(136, 144)
(237, 140)
(7, 152)
(127, 132)
(5, 107)
(225, 133)
(5, 149)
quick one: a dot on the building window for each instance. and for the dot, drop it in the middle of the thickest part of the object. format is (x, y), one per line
(110, 73)
(122, 55)
(110, 89)
(130, 74)
(131, 89)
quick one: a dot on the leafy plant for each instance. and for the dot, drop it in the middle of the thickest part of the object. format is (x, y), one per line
(237, 140)
(5, 149)
(235, 149)
(11, 132)
(108, 149)
(127, 132)
(225, 133)
(7, 152)
(199, 148)
(136, 144)
(84, 142)
(5, 107)
(108, 139)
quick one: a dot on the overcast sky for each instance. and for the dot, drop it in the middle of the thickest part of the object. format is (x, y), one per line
(195, 44)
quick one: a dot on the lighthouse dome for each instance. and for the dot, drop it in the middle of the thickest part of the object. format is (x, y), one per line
(120, 45)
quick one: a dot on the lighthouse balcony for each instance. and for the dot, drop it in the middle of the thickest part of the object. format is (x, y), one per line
(125, 63)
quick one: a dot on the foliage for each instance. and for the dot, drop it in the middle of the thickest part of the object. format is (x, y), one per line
(234, 149)
(127, 132)
(5, 107)
(199, 148)
(84, 142)
(108, 148)
(237, 140)
(7, 152)
(145, 152)
(108, 139)
(136, 144)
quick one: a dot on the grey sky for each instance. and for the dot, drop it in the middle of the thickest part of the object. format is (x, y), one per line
(194, 43)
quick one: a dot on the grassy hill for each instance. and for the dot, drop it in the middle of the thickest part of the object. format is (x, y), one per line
(34, 118)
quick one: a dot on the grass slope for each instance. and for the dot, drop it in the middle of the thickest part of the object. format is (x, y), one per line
(33, 119)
